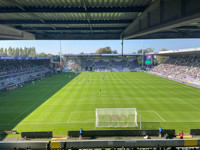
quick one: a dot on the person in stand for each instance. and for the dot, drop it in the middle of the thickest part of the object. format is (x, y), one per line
(181, 135)
(160, 132)
(81, 132)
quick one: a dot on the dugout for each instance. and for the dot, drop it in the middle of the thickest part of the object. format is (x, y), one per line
(38, 134)
(116, 133)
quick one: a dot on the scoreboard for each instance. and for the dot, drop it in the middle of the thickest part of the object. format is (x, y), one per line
(148, 60)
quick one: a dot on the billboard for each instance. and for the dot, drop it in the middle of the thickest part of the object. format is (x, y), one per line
(148, 60)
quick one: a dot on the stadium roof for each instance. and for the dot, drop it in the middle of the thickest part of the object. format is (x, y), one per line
(99, 19)
(189, 51)
(101, 55)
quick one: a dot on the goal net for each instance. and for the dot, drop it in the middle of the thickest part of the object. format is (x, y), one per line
(116, 117)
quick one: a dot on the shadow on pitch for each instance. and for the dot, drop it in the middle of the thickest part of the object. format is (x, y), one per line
(31, 96)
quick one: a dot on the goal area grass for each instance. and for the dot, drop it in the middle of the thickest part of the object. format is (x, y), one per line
(68, 101)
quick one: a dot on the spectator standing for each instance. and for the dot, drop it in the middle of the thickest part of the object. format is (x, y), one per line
(81, 132)
(181, 135)
(160, 132)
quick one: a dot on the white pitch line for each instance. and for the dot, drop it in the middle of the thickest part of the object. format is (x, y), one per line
(69, 117)
(94, 122)
(81, 122)
(188, 103)
(68, 121)
(159, 116)
(146, 111)
(173, 121)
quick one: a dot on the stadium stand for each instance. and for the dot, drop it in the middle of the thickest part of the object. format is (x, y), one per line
(73, 65)
(134, 65)
(102, 63)
(14, 73)
(89, 65)
(101, 66)
(118, 65)
(183, 68)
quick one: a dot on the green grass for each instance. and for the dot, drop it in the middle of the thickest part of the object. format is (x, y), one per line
(60, 103)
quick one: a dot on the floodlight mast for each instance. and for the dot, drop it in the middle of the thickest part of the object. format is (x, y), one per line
(143, 55)
(60, 58)
(122, 46)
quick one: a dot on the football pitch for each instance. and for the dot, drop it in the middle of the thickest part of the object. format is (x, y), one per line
(68, 102)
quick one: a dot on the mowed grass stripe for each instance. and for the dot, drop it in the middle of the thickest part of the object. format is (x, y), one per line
(67, 104)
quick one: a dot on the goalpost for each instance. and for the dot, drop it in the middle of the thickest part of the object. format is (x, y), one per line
(116, 117)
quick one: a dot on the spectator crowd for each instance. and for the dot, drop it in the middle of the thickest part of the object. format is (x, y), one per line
(14, 73)
(14, 65)
(183, 68)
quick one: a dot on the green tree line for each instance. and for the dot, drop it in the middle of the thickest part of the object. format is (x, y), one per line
(22, 52)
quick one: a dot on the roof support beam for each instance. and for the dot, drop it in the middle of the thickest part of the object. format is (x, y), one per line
(15, 3)
(87, 15)
(10, 33)
(65, 21)
(78, 36)
(163, 15)
(171, 35)
(70, 10)
(65, 28)
(21, 8)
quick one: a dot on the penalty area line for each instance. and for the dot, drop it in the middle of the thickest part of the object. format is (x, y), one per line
(179, 99)
(93, 123)
(159, 116)
(69, 117)
(156, 114)
(74, 112)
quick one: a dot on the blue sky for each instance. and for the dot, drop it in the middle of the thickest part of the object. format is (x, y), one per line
(89, 46)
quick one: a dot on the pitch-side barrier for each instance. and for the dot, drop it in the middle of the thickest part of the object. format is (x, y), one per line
(108, 133)
(88, 144)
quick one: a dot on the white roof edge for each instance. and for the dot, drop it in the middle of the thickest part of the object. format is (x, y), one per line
(177, 51)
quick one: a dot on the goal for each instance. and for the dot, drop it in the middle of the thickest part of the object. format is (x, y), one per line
(116, 117)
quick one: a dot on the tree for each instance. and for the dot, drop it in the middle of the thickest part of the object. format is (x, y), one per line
(25, 52)
(13, 52)
(17, 52)
(28, 52)
(115, 52)
(1, 52)
(105, 50)
(148, 50)
(32, 52)
(160, 59)
(41, 55)
(49, 55)
(9, 51)
(6, 52)
(21, 52)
